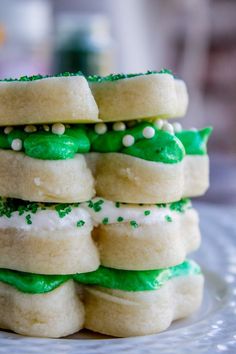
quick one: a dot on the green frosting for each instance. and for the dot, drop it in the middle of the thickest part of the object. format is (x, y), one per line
(48, 146)
(162, 147)
(195, 142)
(126, 280)
(130, 280)
(115, 77)
(32, 283)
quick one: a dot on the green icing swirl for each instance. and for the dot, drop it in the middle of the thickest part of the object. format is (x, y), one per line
(115, 77)
(195, 142)
(130, 280)
(162, 147)
(125, 280)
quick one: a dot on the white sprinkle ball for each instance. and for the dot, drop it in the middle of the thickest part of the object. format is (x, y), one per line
(168, 128)
(58, 128)
(119, 126)
(30, 128)
(128, 140)
(100, 128)
(16, 144)
(159, 123)
(7, 130)
(148, 132)
(177, 127)
(46, 127)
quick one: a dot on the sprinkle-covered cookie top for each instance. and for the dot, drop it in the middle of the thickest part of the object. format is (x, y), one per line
(115, 77)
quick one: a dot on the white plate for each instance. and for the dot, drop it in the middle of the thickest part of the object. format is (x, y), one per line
(211, 330)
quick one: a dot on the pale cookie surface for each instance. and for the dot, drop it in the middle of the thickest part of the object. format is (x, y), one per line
(124, 314)
(129, 179)
(142, 245)
(63, 181)
(47, 100)
(143, 96)
(54, 314)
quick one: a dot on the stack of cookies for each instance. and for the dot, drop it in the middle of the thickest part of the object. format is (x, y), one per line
(95, 220)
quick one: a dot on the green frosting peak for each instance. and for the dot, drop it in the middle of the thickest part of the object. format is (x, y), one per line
(195, 141)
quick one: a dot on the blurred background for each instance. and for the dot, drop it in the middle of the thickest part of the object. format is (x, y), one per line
(196, 39)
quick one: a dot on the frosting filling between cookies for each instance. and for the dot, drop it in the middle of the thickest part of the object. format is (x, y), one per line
(104, 277)
(144, 140)
(28, 216)
(107, 212)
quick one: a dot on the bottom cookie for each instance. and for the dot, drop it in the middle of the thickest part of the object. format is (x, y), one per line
(55, 314)
(115, 302)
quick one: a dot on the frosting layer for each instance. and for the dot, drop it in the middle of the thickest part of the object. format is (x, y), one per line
(46, 216)
(104, 277)
(107, 212)
(42, 216)
(130, 280)
(144, 140)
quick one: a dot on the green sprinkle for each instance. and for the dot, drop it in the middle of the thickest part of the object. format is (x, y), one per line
(90, 204)
(162, 205)
(147, 212)
(168, 218)
(117, 204)
(114, 77)
(133, 224)
(105, 221)
(120, 219)
(180, 206)
(97, 205)
(80, 223)
(63, 210)
(28, 219)
(40, 77)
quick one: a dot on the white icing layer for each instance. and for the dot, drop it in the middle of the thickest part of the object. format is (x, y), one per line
(141, 214)
(91, 213)
(47, 220)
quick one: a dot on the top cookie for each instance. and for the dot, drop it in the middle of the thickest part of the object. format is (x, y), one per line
(137, 96)
(36, 100)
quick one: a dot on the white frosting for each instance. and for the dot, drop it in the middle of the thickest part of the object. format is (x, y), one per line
(97, 211)
(47, 220)
(130, 212)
